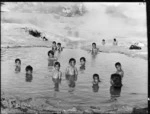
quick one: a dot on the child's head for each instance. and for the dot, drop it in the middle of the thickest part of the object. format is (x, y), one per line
(72, 62)
(18, 62)
(54, 43)
(59, 44)
(50, 53)
(94, 45)
(57, 65)
(114, 39)
(103, 40)
(29, 70)
(82, 60)
(96, 78)
(118, 66)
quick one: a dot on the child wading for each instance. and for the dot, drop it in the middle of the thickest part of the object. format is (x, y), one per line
(18, 65)
(51, 58)
(95, 82)
(56, 76)
(71, 73)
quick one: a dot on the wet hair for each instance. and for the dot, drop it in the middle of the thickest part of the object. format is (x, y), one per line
(59, 44)
(94, 43)
(29, 68)
(114, 39)
(83, 58)
(54, 42)
(56, 63)
(18, 60)
(72, 59)
(117, 64)
(96, 75)
(52, 52)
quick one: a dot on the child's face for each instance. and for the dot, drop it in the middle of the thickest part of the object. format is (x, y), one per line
(54, 44)
(93, 45)
(57, 67)
(118, 67)
(82, 62)
(72, 63)
(18, 63)
(95, 79)
(50, 55)
(29, 72)
(58, 46)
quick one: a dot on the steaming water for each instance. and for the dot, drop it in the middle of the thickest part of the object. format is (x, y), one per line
(133, 92)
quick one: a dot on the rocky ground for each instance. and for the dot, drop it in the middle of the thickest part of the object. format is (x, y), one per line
(10, 104)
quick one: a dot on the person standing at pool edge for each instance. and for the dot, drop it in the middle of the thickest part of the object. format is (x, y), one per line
(103, 42)
(115, 42)
(51, 58)
(71, 72)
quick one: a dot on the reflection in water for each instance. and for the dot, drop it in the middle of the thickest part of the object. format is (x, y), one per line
(17, 69)
(82, 67)
(71, 82)
(115, 92)
(56, 84)
(29, 77)
(95, 87)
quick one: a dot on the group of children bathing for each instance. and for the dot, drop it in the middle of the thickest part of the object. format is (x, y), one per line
(71, 72)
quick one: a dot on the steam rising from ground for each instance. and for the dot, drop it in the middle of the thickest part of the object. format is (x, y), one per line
(102, 20)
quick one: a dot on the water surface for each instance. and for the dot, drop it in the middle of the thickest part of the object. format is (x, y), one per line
(133, 92)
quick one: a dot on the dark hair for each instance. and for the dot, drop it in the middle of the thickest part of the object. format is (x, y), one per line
(72, 59)
(114, 39)
(50, 52)
(59, 44)
(94, 43)
(82, 58)
(56, 63)
(54, 42)
(96, 75)
(103, 40)
(118, 64)
(29, 68)
(18, 60)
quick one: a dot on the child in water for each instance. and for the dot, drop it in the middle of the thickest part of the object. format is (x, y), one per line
(56, 75)
(96, 81)
(51, 58)
(71, 72)
(59, 48)
(54, 47)
(18, 65)
(82, 62)
(29, 71)
(115, 43)
(94, 48)
(119, 69)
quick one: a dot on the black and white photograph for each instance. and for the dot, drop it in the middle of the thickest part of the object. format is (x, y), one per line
(74, 58)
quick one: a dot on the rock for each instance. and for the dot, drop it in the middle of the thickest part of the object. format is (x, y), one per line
(135, 47)
(72, 110)
(140, 111)
(88, 111)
